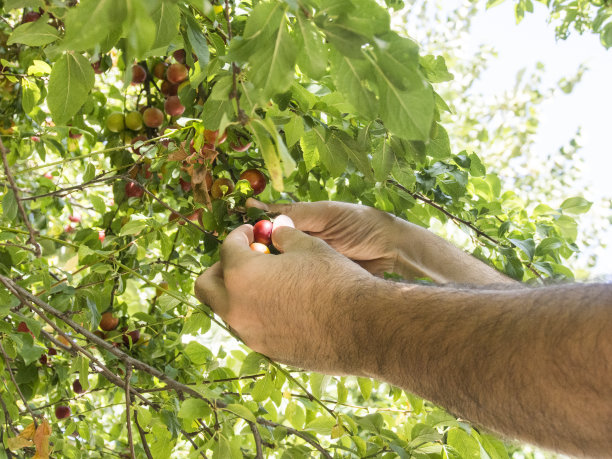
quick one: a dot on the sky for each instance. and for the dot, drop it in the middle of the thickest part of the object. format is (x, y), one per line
(588, 106)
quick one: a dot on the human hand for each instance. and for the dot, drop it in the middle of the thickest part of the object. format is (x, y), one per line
(366, 235)
(304, 307)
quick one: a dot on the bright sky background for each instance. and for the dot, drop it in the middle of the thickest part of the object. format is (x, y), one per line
(531, 41)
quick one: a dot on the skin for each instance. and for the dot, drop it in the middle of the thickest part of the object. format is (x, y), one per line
(533, 364)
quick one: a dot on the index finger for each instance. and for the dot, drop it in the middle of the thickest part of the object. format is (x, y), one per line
(307, 216)
(235, 248)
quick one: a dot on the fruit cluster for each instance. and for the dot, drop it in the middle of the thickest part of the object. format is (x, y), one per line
(262, 232)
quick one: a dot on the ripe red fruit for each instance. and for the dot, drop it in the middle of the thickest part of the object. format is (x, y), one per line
(173, 106)
(35, 138)
(153, 117)
(180, 55)
(139, 74)
(134, 334)
(168, 89)
(185, 185)
(74, 218)
(101, 235)
(48, 175)
(256, 179)
(52, 351)
(134, 190)
(68, 229)
(177, 73)
(62, 412)
(96, 67)
(240, 148)
(108, 322)
(30, 16)
(258, 247)
(213, 137)
(23, 328)
(43, 359)
(262, 232)
(221, 187)
(159, 70)
(76, 387)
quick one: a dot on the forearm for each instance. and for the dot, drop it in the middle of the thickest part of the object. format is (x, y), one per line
(423, 254)
(534, 364)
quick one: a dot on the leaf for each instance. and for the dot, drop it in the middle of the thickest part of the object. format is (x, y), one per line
(37, 33)
(365, 386)
(71, 80)
(91, 22)
(9, 205)
(382, 160)
(269, 153)
(464, 444)
(141, 30)
(197, 322)
(335, 162)
(252, 364)
(349, 76)
(197, 353)
(193, 408)
(342, 145)
(98, 204)
(321, 425)
(435, 69)
(241, 411)
(133, 227)
(262, 389)
(198, 43)
(166, 17)
(294, 130)
(214, 111)
(575, 206)
(313, 57)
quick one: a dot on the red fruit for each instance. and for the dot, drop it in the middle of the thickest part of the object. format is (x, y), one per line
(213, 137)
(43, 359)
(134, 190)
(35, 138)
(240, 148)
(30, 16)
(258, 247)
(218, 187)
(101, 235)
(153, 117)
(96, 67)
(168, 89)
(256, 179)
(68, 229)
(134, 334)
(159, 70)
(139, 74)
(74, 134)
(179, 55)
(23, 328)
(138, 138)
(194, 217)
(262, 232)
(177, 73)
(173, 106)
(62, 412)
(108, 322)
(185, 185)
(48, 175)
(74, 218)
(76, 387)
(52, 351)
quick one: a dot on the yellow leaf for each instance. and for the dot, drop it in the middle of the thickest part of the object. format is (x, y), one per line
(41, 440)
(17, 443)
(29, 432)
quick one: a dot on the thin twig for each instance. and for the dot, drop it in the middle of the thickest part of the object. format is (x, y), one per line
(23, 399)
(143, 437)
(24, 216)
(257, 437)
(7, 417)
(128, 409)
(297, 433)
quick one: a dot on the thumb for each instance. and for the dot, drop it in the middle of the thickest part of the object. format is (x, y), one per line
(286, 238)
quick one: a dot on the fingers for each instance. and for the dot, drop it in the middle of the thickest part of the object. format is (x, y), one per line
(235, 249)
(210, 289)
(307, 216)
(286, 238)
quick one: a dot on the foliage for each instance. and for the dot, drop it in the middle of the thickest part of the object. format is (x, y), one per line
(581, 15)
(100, 218)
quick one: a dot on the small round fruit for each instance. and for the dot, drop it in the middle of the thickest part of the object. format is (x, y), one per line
(173, 106)
(101, 235)
(134, 190)
(159, 70)
(258, 247)
(30, 16)
(76, 387)
(262, 231)
(168, 89)
(115, 122)
(162, 285)
(180, 55)
(177, 73)
(134, 335)
(139, 74)
(48, 175)
(213, 137)
(43, 359)
(108, 322)
(256, 179)
(52, 351)
(133, 121)
(74, 218)
(221, 187)
(185, 185)
(153, 117)
(23, 328)
(62, 412)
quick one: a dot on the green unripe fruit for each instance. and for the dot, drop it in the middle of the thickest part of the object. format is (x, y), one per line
(115, 122)
(133, 121)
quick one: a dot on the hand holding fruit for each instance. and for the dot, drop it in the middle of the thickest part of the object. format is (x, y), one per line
(288, 306)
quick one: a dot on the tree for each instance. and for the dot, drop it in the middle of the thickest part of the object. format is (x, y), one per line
(108, 216)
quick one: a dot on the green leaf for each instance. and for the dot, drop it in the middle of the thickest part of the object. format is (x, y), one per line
(90, 172)
(98, 204)
(193, 408)
(343, 146)
(575, 206)
(197, 322)
(365, 386)
(349, 76)
(465, 445)
(439, 146)
(71, 80)
(435, 69)
(321, 425)
(37, 33)
(91, 22)
(252, 364)
(133, 227)
(166, 17)
(198, 43)
(9, 205)
(26, 348)
(334, 161)
(241, 411)
(269, 153)
(197, 353)
(313, 57)
(294, 130)
(382, 160)
(140, 28)
(262, 389)
(214, 111)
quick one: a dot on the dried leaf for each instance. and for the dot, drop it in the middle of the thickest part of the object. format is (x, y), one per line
(16, 443)
(41, 440)
(179, 154)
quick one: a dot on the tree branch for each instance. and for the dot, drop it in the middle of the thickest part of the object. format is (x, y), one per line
(143, 437)
(128, 409)
(8, 367)
(24, 216)
(257, 437)
(297, 433)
